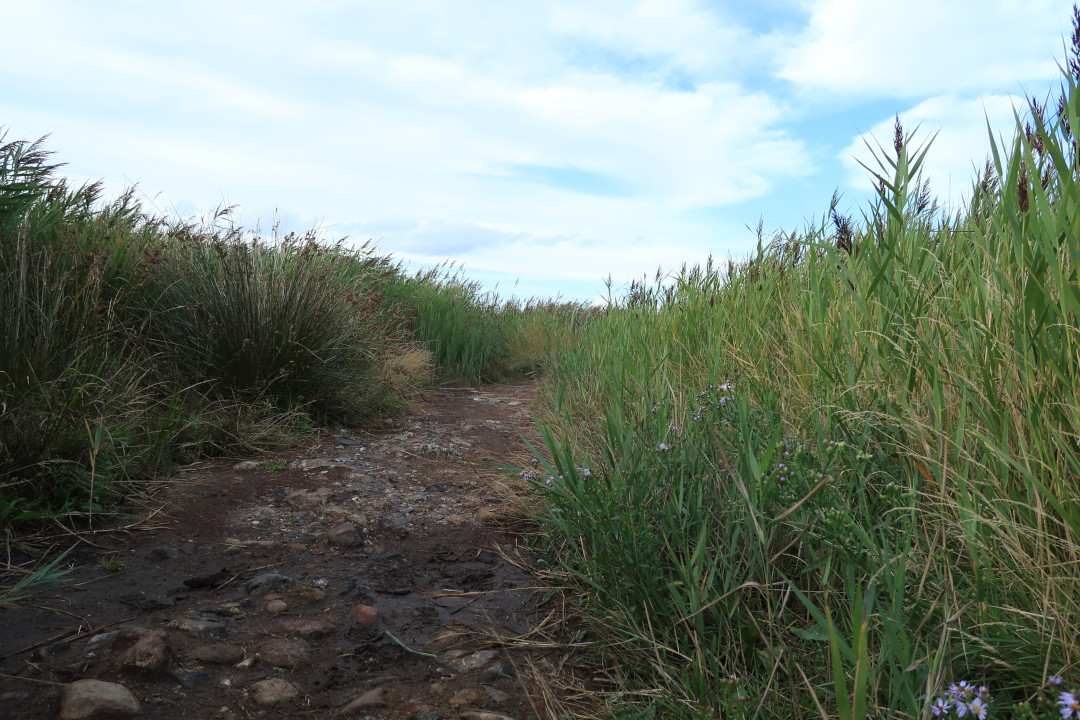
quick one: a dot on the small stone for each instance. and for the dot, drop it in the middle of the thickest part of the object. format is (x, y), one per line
(276, 606)
(312, 595)
(285, 653)
(204, 629)
(425, 712)
(301, 628)
(373, 698)
(191, 678)
(497, 697)
(366, 616)
(344, 535)
(91, 699)
(474, 661)
(162, 553)
(483, 715)
(150, 652)
(468, 696)
(434, 489)
(217, 654)
(348, 588)
(274, 691)
(247, 465)
(497, 671)
(267, 583)
(320, 583)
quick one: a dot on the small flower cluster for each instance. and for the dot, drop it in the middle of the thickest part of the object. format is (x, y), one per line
(712, 399)
(1068, 703)
(534, 473)
(962, 700)
(1051, 702)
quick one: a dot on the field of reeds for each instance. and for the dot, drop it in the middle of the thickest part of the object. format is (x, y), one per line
(134, 343)
(841, 479)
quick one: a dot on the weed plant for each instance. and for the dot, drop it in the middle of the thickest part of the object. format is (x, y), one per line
(844, 471)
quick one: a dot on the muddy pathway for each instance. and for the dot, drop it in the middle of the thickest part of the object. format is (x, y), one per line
(372, 576)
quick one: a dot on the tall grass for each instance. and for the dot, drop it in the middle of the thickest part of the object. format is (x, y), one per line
(133, 343)
(476, 336)
(845, 470)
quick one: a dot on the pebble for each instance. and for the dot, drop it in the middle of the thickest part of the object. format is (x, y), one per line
(162, 553)
(468, 696)
(191, 678)
(285, 653)
(88, 699)
(267, 583)
(247, 465)
(220, 654)
(204, 629)
(373, 698)
(497, 671)
(274, 691)
(474, 661)
(276, 606)
(344, 535)
(150, 653)
(301, 628)
(498, 697)
(483, 715)
(366, 616)
(426, 712)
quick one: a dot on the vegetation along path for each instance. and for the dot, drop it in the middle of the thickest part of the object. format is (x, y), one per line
(365, 576)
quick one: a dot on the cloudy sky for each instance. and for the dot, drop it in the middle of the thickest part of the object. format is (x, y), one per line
(543, 145)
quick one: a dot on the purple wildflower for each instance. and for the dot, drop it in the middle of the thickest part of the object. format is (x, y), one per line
(1070, 705)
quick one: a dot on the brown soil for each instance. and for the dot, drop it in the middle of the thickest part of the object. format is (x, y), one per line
(409, 520)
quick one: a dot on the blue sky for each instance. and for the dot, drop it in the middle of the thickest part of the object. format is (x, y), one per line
(542, 145)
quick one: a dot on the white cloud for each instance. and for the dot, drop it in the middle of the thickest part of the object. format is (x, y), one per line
(569, 138)
(924, 47)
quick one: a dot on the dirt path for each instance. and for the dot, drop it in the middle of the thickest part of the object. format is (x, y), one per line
(369, 577)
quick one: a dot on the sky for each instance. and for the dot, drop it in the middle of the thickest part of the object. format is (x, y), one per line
(543, 146)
